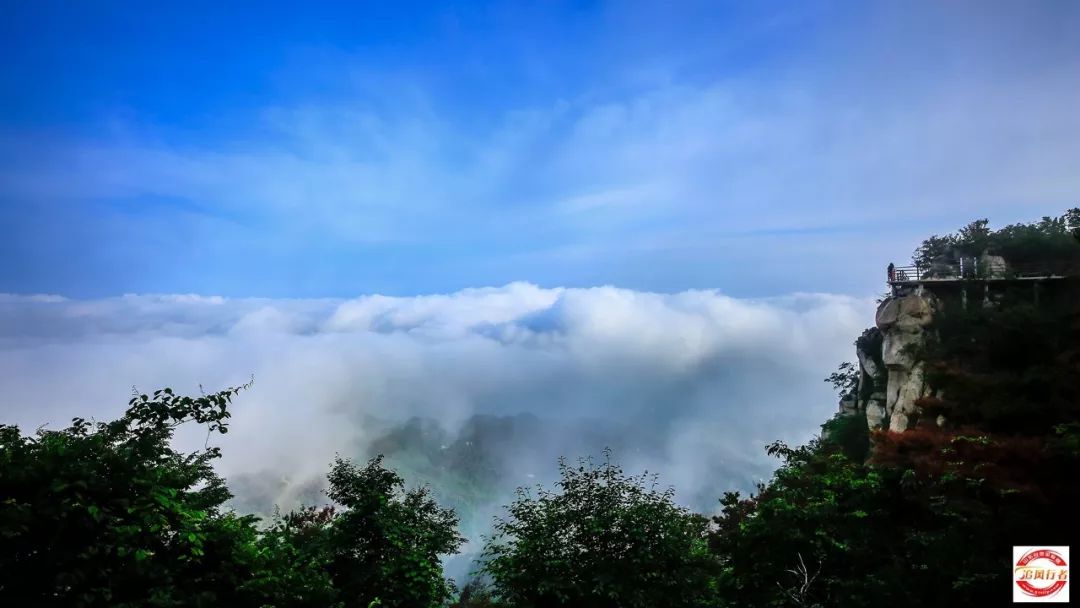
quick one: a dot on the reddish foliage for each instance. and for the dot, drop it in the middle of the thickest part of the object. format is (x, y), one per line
(1000, 462)
(932, 406)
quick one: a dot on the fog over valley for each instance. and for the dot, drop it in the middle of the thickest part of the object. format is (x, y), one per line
(475, 392)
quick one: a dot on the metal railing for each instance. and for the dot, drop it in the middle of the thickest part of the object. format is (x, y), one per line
(903, 274)
(974, 269)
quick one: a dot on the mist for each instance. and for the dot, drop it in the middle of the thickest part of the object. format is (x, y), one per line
(475, 392)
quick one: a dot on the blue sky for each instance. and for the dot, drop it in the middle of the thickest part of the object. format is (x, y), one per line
(338, 149)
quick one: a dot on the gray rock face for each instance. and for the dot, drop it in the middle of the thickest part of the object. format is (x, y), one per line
(875, 413)
(896, 349)
(992, 265)
(904, 388)
(902, 321)
(866, 362)
(908, 313)
(849, 406)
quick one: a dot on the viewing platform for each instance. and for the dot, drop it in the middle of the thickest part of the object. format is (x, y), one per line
(988, 275)
(968, 270)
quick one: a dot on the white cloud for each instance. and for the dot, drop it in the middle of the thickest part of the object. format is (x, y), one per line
(708, 378)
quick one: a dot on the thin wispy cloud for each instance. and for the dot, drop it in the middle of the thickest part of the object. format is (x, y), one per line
(389, 182)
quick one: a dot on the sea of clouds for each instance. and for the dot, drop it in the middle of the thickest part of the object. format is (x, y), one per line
(705, 380)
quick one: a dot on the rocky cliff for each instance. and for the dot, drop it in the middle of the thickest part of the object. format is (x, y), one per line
(891, 377)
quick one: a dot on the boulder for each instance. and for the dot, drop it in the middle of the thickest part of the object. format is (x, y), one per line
(941, 269)
(992, 265)
(910, 312)
(901, 321)
(887, 313)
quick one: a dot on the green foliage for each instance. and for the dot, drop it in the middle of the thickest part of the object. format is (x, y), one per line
(976, 235)
(1072, 221)
(845, 379)
(385, 545)
(850, 433)
(932, 249)
(476, 594)
(907, 531)
(108, 514)
(294, 554)
(822, 509)
(1050, 243)
(604, 539)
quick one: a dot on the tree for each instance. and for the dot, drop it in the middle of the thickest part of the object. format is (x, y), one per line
(1072, 218)
(476, 594)
(1049, 244)
(974, 238)
(933, 249)
(295, 556)
(385, 545)
(845, 379)
(822, 530)
(604, 540)
(109, 514)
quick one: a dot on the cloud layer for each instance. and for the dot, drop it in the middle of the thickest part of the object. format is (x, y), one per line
(706, 378)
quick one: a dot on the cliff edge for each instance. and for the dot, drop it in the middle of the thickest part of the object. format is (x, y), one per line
(891, 379)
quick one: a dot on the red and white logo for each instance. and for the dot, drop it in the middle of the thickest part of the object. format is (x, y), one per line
(1041, 574)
